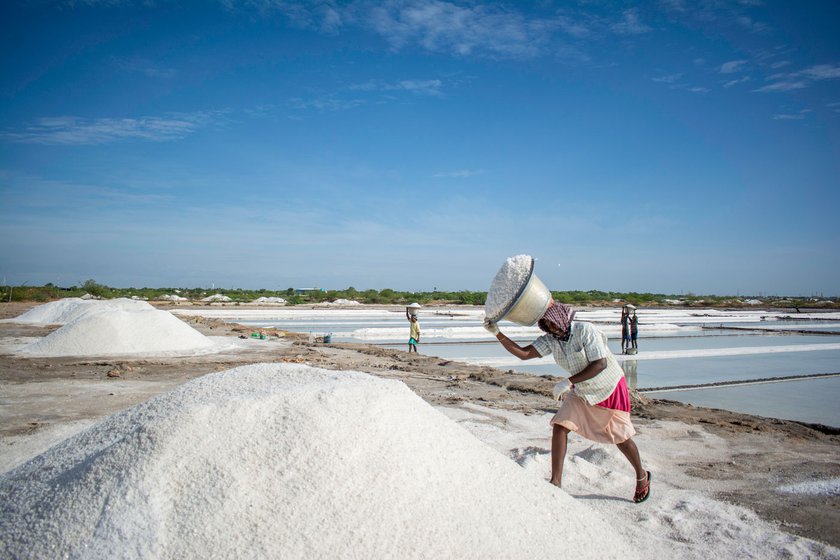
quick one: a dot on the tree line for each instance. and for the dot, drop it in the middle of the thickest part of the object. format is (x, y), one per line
(388, 296)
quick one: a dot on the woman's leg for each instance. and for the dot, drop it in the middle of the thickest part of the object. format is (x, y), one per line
(629, 449)
(559, 439)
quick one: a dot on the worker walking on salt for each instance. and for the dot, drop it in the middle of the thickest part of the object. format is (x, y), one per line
(414, 328)
(595, 399)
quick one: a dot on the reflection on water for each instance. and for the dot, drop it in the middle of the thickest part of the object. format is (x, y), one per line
(630, 371)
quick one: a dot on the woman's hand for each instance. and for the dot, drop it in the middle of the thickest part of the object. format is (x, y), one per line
(561, 388)
(526, 353)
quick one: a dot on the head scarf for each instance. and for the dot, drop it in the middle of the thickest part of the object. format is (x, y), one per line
(560, 316)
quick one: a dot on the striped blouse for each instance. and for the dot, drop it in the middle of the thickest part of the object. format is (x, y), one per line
(585, 345)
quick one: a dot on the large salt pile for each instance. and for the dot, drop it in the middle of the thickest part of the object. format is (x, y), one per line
(288, 461)
(68, 309)
(120, 331)
(506, 284)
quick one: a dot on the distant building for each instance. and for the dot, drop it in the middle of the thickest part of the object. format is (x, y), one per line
(307, 290)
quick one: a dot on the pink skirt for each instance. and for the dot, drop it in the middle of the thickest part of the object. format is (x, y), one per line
(620, 398)
(605, 422)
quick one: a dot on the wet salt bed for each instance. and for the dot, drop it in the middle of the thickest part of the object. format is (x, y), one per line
(810, 400)
(674, 349)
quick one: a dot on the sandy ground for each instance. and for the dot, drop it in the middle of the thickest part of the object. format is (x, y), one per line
(44, 400)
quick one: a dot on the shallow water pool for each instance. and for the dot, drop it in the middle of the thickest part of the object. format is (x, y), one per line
(811, 400)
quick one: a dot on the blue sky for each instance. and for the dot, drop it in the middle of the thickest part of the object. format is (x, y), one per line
(667, 146)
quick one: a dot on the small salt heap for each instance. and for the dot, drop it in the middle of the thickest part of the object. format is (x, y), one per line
(506, 284)
(172, 297)
(109, 328)
(272, 299)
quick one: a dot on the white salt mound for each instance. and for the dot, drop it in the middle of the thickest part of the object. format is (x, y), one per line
(117, 331)
(339, 301)
(172, 297)
(217, 297)
(288, 461)
(506, 284)
(272, 299)
(69, 309)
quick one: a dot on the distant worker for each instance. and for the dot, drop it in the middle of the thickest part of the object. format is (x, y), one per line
(625, 329)
(634, 331)
(414, 330)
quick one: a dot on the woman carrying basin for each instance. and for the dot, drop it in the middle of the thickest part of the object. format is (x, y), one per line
(595, 399)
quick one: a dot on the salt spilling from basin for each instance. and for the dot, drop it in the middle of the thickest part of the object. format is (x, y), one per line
(505, 286)
(288, 461)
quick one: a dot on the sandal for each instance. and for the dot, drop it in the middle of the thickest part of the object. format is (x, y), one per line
(642, 495)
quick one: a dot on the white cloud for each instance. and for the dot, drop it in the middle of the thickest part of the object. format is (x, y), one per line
(737, 81)
(573, 28)
(751, 25)
(782, 86)
(326, 103)
(802, 78)
(467, 29)
(732, 66)
(630, 24)
(426, 87)
(78, 130)
(822, 72)
(791, 116)
(439, 26)
(458, 174)
(420, 87)
(668, 79)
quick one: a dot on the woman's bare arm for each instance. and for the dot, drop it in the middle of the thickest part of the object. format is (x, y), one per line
(523, 353)
(590, 371)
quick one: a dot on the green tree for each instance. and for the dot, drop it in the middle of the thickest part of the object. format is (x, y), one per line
(95, 289)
